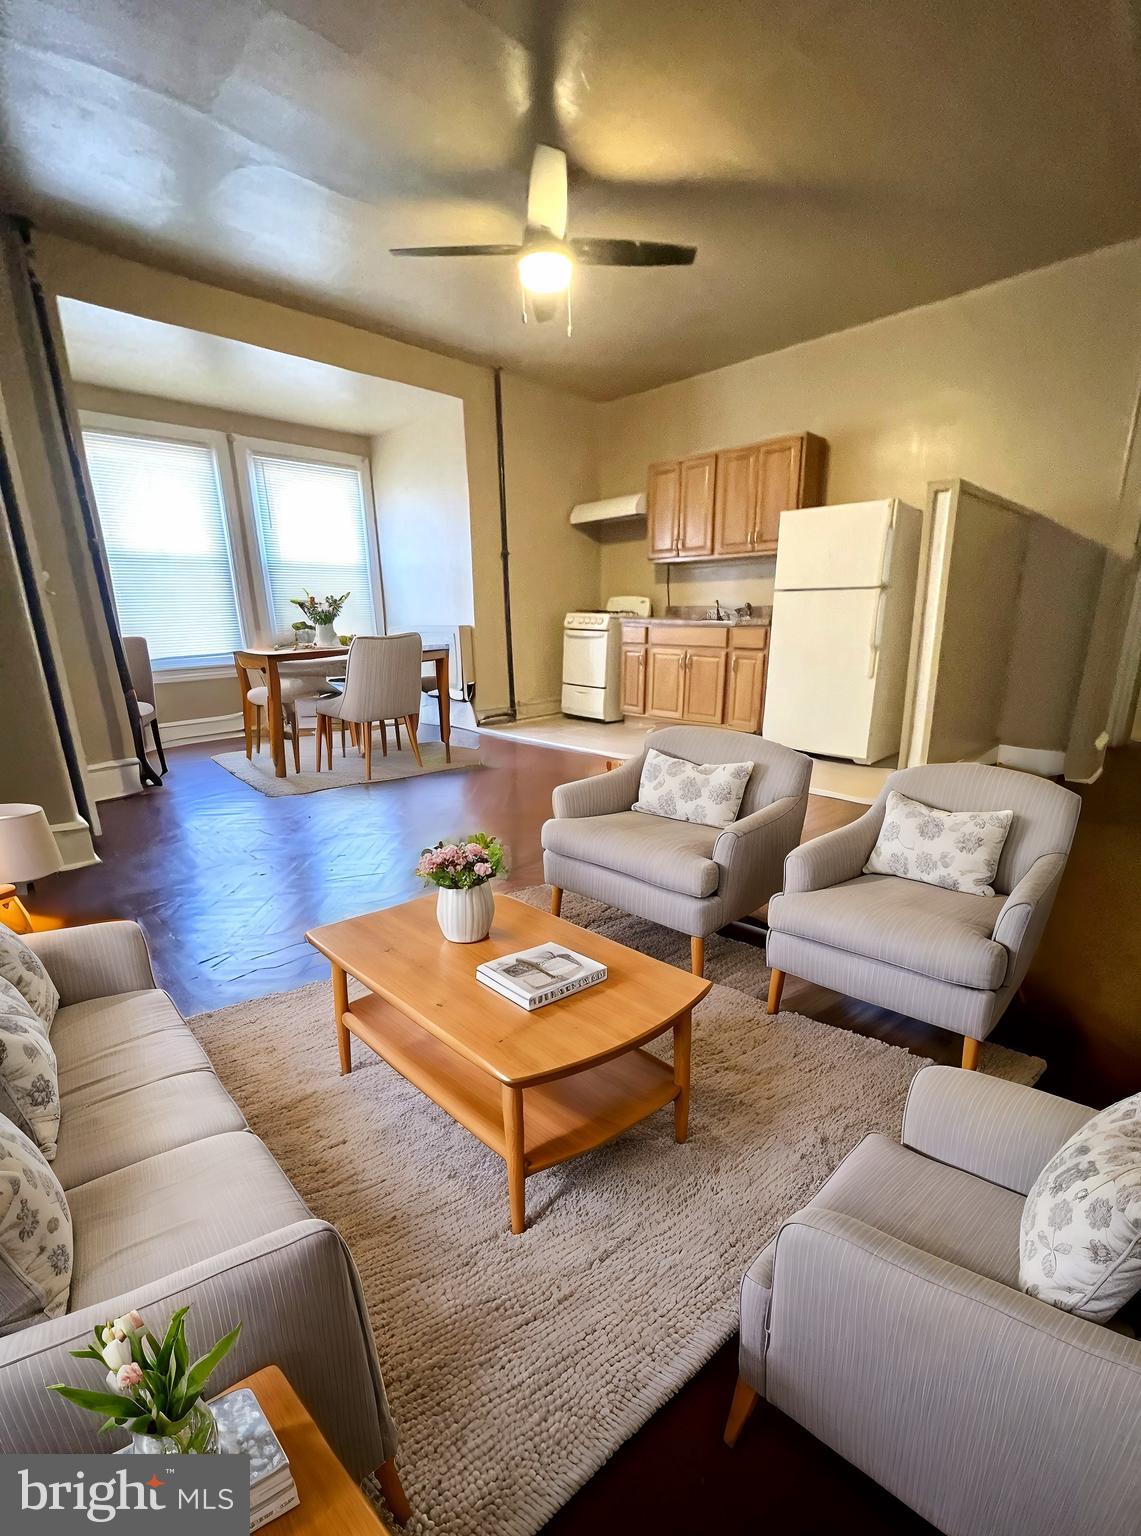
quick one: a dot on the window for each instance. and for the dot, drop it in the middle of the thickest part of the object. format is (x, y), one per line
(163, 518)
(312, 533)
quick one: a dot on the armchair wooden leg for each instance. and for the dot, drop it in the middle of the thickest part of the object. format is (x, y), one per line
(393, 1490)
(556, 900)
(970, 1054)
(697, 956)
(776, 987)
(744, 1401)
(410, 725)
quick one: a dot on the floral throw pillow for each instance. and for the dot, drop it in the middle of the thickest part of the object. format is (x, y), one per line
(706, 793)
(1081, 1227)
(958, 850)
(29, 1080)
(25, 970)
(35, 1234)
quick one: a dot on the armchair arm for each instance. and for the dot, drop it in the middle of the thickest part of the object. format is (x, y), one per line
(1022, 920)
(297, 1295)
(835, 857)
(751, 852)
(98, 960)
(603, 794)
(962, 1396)
(1002, 1132)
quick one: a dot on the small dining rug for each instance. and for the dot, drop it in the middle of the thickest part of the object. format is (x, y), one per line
(258, 770)
(516, 1366)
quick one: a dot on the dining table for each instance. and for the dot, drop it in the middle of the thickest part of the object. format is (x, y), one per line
(267, 659)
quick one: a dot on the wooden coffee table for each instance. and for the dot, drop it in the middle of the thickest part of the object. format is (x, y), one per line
(537, 1088)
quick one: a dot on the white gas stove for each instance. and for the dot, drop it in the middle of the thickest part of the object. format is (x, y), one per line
(592, 658)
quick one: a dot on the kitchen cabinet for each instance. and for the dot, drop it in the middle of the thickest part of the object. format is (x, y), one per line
(665, 686)
(703, 674)
(663, 501)
(633, 679)
(727, 505)
(745, 690)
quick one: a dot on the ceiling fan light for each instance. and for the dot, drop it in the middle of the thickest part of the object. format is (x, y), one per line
(545, 271)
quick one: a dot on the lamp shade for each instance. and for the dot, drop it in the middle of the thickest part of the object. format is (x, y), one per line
(27, 848)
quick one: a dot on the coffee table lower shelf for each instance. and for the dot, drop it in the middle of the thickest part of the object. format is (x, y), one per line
(554, 1120)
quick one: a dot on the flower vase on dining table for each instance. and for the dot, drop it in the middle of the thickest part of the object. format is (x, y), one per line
(327, 635)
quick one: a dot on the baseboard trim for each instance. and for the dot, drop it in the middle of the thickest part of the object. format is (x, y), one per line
(1045, 762)
(114, 779)
(74, 841)
(176, 733)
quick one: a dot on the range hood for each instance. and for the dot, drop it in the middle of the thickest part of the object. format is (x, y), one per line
(616, 509)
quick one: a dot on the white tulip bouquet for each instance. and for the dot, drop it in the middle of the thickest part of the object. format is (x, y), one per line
(153, 1386)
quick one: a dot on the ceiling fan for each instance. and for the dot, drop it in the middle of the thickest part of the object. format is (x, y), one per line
(546, 258)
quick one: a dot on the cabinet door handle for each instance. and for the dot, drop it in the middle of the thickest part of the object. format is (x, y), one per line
(736, 659)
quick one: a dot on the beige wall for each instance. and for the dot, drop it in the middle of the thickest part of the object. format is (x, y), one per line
(1028, 387)
(423, 519)
(550, 459)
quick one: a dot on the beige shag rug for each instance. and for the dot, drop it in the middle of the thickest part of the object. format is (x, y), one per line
(517, 1365)
(258, 770)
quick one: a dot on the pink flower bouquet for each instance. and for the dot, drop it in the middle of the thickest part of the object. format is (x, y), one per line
(464, 863)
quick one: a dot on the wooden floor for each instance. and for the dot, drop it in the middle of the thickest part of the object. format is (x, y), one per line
(225, 881)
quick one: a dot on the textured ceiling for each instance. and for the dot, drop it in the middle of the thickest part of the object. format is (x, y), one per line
(833, 160)
(147, 357)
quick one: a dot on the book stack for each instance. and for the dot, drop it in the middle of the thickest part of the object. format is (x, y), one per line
(531, 978)
(242, 1426)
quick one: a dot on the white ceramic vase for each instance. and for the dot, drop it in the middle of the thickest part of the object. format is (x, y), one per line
(465, 916)
(327, 635)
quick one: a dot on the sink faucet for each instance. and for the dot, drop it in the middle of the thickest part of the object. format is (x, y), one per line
(717, 614)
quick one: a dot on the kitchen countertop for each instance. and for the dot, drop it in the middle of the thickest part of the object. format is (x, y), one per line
(758, 621)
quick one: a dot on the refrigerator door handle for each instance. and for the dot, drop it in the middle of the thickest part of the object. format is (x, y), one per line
(885, 562)
(877, 633)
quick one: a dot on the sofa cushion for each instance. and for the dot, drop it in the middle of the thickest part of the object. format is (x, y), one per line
(942, 934)
(29, 1087)
(27, 974)
(121, 1128)
(675, 855)
(957, 850)
(110, 1045)
(1081, 1228)
(35, 1234)
(708, 794)
(162, 1215)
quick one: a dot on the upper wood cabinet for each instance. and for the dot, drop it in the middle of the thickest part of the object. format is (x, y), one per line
(728, 504)
(695, 521)
(663, 502)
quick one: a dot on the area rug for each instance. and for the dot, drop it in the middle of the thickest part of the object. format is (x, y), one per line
(258, 770)
(516, 1366)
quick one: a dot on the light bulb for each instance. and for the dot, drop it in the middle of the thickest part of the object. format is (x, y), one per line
(545, 271)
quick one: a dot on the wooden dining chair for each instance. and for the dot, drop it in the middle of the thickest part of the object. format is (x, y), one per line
(255, 699)
(382, 682)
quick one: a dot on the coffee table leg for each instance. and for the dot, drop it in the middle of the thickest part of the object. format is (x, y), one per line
(513, 1138)
(340, 1008)
(683, 1032)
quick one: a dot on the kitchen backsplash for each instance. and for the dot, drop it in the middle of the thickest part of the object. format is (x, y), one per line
(732, 584)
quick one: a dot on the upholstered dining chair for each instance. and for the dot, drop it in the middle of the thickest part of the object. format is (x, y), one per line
(138, 655)
(692, 878)
(302, 683)
(947, 957)
(382, 682)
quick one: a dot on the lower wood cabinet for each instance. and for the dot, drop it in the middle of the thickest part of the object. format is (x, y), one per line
(745, 690)
(702, 676)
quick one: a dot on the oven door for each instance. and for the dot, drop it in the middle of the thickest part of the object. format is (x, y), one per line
(584, 658)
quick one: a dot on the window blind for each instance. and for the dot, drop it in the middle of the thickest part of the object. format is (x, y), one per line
(164, 529)
(311, 532)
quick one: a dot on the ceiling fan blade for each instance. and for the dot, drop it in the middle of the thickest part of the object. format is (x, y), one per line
(630, 253)
(547, 193)
(456, 250)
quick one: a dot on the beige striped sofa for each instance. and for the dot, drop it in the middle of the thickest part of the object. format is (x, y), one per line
(886, 1318)
(174, 1201)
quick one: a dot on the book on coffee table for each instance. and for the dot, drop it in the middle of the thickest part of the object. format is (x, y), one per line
(243, 1426)
(531, 978)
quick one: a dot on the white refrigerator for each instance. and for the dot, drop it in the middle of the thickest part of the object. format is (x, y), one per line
(843, 607)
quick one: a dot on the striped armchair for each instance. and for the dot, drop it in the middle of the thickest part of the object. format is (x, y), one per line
(948, 957)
